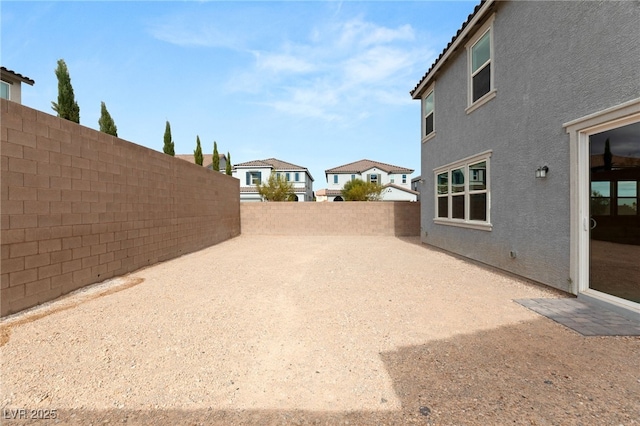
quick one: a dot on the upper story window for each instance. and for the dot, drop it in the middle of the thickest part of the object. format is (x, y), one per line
(404, 178)
(335, 178)
(287, 176)
(5, 91)
(353, 177)
(254, 178)
(428, 108)
(481, 66)
(297, 176)
(374, 178)
(463, 193)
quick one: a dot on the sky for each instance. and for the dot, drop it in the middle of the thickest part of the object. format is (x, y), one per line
(315, 83)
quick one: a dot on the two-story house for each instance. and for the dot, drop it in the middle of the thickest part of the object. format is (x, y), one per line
(530, 122)
(252, 173)
(10, 84)
(395, 180)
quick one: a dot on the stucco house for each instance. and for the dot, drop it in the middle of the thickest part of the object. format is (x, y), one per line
(530, 145)
(11, 84)
(207, 161)
(395, 180)
(254, 172)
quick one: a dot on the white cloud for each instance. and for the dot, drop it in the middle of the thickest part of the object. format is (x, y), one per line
(376, 65)
(334, 70)
(363, 34)
(281, 62)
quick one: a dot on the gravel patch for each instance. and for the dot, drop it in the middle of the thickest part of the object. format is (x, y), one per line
(313, 330)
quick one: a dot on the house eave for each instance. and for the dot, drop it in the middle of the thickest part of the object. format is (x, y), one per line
(467, 29)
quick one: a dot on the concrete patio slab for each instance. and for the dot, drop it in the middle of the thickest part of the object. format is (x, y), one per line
(583, 317)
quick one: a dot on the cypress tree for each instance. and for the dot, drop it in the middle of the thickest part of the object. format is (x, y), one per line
(107, 125)
(608, 157)
(215, 160)
(197, 154)
(227, 169)
(169, 146)
(66, 107)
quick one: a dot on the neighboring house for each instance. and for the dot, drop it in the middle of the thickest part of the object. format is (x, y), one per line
(530, 125)
(416, 183)
(10, 84)
(252, 173)
(324, 195)
(395, 180)
(206, 160)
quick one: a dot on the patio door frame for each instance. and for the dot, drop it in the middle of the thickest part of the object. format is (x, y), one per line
(579, 131)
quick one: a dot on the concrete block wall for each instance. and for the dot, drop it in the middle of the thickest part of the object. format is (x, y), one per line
(380, 218)
(79, 206)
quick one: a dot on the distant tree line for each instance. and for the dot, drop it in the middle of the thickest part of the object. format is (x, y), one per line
(67, 107)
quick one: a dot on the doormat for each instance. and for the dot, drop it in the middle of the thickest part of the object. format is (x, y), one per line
(583, 317)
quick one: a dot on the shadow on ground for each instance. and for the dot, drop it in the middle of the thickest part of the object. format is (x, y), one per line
(535, 372)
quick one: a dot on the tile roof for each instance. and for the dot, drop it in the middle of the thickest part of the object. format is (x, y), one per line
(363, 165)
(328, 192)
(206, 158)
(401, 188)
(278, 165)
(455, 40)
(14, 74)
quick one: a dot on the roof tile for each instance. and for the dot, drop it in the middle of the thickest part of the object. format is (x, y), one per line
(363, 165)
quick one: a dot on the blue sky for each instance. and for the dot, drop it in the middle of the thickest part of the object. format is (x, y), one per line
(318, 84)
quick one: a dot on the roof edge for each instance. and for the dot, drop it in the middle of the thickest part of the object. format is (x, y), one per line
(19, 76)
(458, 39)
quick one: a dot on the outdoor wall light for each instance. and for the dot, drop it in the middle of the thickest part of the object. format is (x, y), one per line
(541, 172)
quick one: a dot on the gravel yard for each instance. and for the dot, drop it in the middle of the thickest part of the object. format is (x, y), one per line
(313, 330)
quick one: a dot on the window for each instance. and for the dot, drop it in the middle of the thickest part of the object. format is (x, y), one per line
(287, 176)
(335, 178)
(404, 178)
(4, 90)
(353, 177)
(374, 178)
(462, 193)
(481, 67)
(297, 176)
(254, 178)
(614, 198)
(392, 179)
(427, 106)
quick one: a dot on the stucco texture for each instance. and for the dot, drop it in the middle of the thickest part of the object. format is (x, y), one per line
(553, 62)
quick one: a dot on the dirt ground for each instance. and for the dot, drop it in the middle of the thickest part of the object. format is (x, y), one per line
(312, 330)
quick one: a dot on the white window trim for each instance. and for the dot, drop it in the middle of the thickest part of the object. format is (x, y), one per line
(486, 27)
(429, 91)
(8, 89)
(464, 163)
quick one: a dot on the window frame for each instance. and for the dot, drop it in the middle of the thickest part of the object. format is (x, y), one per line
(472, 105)
(253, 175)
(335, 179)
(4, 83)
(427, 136)
(466, 193)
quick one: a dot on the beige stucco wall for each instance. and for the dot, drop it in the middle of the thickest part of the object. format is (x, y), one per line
(79, 206)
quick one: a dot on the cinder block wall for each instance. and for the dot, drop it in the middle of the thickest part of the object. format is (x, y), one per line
(346, 218)
(79, 206)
